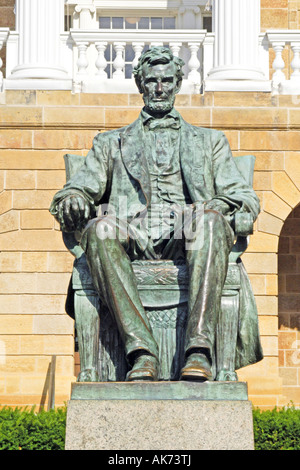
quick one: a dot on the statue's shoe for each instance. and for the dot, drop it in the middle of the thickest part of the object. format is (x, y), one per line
(197, 367)
(144, 368)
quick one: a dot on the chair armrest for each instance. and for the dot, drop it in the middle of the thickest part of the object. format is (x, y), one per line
(72, 244)
(243, 224)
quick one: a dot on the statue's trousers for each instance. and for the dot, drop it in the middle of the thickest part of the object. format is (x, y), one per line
(206, 245)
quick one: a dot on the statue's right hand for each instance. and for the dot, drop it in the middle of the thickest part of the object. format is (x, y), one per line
(73, 213)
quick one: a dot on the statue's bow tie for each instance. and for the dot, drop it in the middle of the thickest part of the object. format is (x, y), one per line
(168, 122)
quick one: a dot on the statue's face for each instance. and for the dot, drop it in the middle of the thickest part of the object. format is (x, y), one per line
(159, 86)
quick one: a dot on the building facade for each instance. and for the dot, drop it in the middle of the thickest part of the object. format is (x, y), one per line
(65, 75)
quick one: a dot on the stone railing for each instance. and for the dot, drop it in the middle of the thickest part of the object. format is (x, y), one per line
(91, 49)
(101, 61)
(104, 59)
(278, 40)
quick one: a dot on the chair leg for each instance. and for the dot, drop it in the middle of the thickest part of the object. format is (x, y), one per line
(87, 326)
(227, 337)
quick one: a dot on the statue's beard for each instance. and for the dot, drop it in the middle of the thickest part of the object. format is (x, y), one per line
(159, 107)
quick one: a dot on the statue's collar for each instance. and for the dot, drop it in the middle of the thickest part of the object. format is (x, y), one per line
(136, 127)
(172, 115)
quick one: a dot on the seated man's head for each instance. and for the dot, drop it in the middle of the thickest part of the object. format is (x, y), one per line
(158, 76)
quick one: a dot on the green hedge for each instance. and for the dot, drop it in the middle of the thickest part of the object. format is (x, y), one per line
(277, 429)
(24, 429)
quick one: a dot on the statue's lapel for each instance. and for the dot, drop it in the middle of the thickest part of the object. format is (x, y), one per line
(192, 154)
(132, 152)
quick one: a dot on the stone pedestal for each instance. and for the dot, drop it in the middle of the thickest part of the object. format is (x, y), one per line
(159, 416)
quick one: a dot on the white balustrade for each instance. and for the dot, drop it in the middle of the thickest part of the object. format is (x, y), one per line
(138, 49)
(3, 38)
(82, 62)
(278, 40)
(107, 41)
(295, 64)
(175, 48)
(101, 62)
(278, 65)
(119, 62)
(194, 63)
(82, 65)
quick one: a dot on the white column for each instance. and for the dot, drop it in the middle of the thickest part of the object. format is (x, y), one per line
(87, 15)
(39, 24)
(236, 49)
(189, 16)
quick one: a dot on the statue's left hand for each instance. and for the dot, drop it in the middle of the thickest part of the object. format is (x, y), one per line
(73, 213)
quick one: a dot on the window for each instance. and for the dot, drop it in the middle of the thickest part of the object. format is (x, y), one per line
(68, 22)
(119, 22)
(207, 23)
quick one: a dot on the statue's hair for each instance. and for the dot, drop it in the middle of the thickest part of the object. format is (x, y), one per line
(157, 55)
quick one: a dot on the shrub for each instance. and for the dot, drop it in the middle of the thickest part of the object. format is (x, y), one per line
(24, 429)
(277, 429)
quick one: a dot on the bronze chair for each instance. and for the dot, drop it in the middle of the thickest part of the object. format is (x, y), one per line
(167, 314)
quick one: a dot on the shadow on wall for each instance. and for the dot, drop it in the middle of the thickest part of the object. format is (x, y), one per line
(49, 386)
(289, 272)
(289, 306)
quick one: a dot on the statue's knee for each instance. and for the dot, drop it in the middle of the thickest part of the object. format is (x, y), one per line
(105, 229)
(101, 229)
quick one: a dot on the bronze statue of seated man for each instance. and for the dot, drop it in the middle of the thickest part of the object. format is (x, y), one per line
(159, 188)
